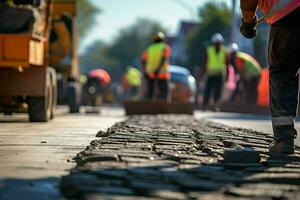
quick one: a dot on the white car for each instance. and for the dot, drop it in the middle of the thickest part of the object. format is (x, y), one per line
(183, 84)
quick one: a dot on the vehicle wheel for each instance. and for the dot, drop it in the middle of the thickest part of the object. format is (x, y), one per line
(54, 93)
(7, 113)
(74, 97)
(39, 108)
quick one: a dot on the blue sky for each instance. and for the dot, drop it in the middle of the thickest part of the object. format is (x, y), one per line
(117, 14)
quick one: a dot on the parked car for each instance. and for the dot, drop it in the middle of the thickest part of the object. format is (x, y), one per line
(183, 85)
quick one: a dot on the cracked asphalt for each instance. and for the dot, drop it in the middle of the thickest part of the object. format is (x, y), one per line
(180, 157)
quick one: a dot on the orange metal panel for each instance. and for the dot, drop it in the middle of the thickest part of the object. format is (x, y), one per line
(16, 48)
(21, 50)
(1, 49)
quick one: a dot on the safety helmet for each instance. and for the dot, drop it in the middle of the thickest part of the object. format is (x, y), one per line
(233, 48)
(217, 38)
(159, 36)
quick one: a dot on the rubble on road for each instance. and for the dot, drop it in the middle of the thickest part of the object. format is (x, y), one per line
(180, 157)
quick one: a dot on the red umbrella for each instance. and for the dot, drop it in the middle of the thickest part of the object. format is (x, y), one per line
(100, 74)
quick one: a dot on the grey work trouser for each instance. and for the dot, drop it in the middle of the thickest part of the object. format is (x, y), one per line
(214, 84)
(162, 85)
(284, 60)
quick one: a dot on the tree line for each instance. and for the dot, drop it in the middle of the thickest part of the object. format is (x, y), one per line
(127, 47)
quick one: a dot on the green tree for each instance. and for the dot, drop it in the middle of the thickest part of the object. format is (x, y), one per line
(125, 50)
(131, 41)
(96, 56)
(214, 17)
(86, 17)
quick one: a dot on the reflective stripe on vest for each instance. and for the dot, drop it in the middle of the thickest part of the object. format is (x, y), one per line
(216, 61)
(155, 54)
(274, 10)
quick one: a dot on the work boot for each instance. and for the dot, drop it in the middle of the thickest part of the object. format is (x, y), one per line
(284, 146)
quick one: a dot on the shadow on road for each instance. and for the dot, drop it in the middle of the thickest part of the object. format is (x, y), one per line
(267, 180)
(30, 189)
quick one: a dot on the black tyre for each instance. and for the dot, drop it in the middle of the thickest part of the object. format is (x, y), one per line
(54, 94)
(74, 97)
(39, 108)
(8, 113)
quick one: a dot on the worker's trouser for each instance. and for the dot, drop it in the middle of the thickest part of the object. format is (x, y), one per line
(161, 84)
(133, 92)
(284, 59)
(213, 84)
(250, 90)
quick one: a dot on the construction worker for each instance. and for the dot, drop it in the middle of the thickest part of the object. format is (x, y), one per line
(215, 67)
(248, 70)
(155, 62)
(133, 82)
(96, 86)
(284, 61)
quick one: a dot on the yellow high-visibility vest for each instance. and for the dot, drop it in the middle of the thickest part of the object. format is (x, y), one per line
(134, 77)
(250, 68)
(155, 54)
(216, 61)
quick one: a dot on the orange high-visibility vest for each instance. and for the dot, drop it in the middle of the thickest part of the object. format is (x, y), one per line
(274, 10)
(247, 66)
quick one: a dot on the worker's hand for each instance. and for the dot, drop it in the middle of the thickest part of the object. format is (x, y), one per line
(157, 71)
(249, 29)
(146, 76)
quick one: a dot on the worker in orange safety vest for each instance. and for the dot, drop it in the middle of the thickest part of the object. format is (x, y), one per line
(155, 62)
(284, 61)
(248, 72)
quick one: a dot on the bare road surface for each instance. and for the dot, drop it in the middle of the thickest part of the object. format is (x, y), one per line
(260, 123)
(34, 156)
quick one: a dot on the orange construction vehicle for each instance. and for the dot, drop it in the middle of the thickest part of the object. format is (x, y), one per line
(27, 82)
(63, 55)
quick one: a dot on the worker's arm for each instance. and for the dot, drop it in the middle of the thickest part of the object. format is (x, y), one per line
(249, 18)
(167, 54)
(204, 65)
(227, 61)
(233, 64)
(162, 62)
(144, 60)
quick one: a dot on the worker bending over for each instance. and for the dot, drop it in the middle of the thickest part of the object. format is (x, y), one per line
(248, 71)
